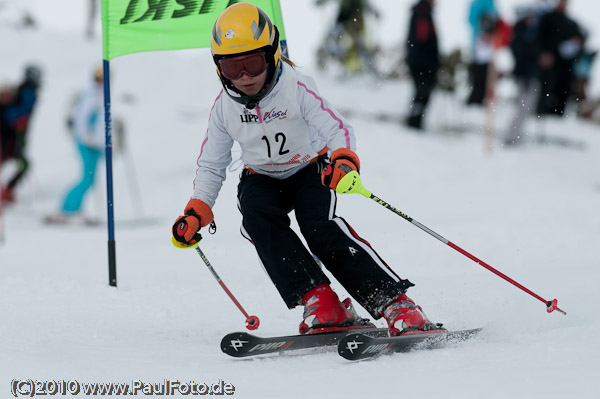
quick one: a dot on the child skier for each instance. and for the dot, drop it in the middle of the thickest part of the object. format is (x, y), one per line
(286, 130)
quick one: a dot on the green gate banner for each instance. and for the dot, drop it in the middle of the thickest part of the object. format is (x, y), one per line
(132, 26)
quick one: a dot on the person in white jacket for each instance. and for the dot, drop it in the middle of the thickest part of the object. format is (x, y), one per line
(296, 147)
(87, 126)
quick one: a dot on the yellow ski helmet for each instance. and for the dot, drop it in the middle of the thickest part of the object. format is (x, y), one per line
(243, 29)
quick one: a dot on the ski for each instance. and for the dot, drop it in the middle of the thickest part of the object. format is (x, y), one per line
(242, 344)
(357, 346)
(79, 220)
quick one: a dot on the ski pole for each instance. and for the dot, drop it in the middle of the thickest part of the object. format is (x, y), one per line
(252, 322)
(351, 184)
(130, 173)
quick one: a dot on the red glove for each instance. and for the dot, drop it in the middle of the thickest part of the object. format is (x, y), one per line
(343, 161)
(197, 214)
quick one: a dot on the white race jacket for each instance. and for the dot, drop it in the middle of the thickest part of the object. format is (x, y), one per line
(88, 121)
(280, 136)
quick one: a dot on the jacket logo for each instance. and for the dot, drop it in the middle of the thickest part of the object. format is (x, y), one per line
(249, 118)
(274, 114)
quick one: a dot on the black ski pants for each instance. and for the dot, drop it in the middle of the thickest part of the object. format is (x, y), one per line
(556, 87)
(478, 76)
(265, 203)
(424, 80)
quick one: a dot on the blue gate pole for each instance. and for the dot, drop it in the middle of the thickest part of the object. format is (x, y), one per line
(112, 258)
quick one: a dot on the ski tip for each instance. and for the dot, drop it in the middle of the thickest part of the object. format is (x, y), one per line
(233, 344)
(351, 346)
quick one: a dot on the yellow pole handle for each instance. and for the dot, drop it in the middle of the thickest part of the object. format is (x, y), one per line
(181, 245)
(351, 184)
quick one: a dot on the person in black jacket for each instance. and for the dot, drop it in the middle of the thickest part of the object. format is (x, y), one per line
(525, 50)
(422, 58)
(15, 114)
(560, 40)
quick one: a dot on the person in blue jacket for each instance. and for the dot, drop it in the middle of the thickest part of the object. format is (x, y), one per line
(483, 19)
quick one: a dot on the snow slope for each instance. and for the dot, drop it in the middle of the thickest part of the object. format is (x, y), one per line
(531, 212)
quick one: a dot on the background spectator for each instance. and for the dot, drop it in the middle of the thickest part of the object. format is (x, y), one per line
(346, 40)
(89, 133)
(560, 41)
(16, 109)
(483, 19)
(525, 50)
(582, 70)
(422, 58)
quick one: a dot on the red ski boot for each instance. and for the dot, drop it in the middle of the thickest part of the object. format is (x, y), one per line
(406, 318)
(322, 308)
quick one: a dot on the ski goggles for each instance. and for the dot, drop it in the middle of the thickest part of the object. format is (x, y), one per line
(253, 64)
